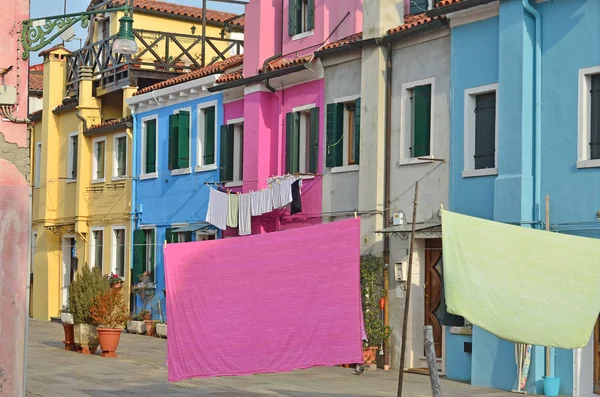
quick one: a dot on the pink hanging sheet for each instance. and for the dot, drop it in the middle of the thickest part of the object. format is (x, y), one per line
(264, 303)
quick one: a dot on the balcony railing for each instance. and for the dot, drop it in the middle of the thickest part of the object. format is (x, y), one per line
(161, 52)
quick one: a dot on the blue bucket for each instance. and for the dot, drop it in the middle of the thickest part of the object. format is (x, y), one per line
(551, 386)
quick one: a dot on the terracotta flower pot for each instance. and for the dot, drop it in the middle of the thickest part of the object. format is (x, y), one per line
(69, 337)
(117, 285)
(109, 340)
(147, 316)
(150, 330)
(370, 354)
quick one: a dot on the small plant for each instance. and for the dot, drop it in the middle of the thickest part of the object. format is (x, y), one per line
(145, 290)
(371, 268)
(113, 278)
(108, 309)
(82, 292)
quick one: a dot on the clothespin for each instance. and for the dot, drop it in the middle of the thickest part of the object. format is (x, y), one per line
(355, 215)
(165, 242)
(442, 207)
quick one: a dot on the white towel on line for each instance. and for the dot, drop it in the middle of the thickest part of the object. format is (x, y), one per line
(245, 223)
(218, 206)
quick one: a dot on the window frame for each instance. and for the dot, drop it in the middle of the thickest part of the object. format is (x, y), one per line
(94, 161)
(70, 165)
(115, 167)
(113, 256)
(303, 157)
(201, 237)
(188, 169)
(93, 247)
(238, 145)
(406, 123)
(303, 31)
(346, 166)
(143, 173)
(584, 118)
(32, 247)
(153, 247)
(469, 132)
(200, 166)
(38, 165)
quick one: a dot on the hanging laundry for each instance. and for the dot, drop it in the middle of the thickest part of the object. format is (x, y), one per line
(218, 204)
(276, 188)
(244, 223)
(255, 202)
(233, 212)
(523, 285)
(296, 206)
(285, 191)
(266, 200)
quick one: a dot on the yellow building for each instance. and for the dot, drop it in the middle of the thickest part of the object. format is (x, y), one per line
(82, 139)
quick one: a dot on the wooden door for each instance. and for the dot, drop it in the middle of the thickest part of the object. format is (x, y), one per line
(597, 357)
(433, 290)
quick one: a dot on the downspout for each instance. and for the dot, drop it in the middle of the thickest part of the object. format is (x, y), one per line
(264, 70)
(83, 120)
(133, 209)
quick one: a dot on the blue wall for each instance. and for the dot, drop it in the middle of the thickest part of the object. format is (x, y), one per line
(458, 363)
(173, 199)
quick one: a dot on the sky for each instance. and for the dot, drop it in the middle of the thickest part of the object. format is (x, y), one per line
(41, 8)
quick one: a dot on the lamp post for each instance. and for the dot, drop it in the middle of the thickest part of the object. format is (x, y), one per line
(37, 33)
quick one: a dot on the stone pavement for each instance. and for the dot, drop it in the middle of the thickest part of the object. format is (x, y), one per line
(140, 370)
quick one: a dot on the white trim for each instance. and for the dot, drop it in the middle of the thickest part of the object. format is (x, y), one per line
(469, 131)
(94, 165)
(474, 14)
(251, 89)
(416, 160)
(304, 108)
(65, 273)
(143, 174)
(38, 164)
(406, 122)
(113, 250)
(152, 246)
(93, 246)
(238, 153)
(235, 121)
(198, 87)
(70, 164)
(303, 35)
(584, 118)
(234, 184)
(115, 166)
(200, 166)
(345, 99)
(188, 169)
(345, 168)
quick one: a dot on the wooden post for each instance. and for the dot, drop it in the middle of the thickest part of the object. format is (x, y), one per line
(434, 377)
(548, 369)
(408, 284)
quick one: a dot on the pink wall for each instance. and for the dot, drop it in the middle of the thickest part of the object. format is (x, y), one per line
(262, 19)
(233, 110)
(14, 206)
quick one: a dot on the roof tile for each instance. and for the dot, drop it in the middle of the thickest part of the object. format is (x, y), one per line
(443, 3)
(36, 81)
(108, 123)
(345, 41)
(283, 63)
(229, 77)
(412, 21)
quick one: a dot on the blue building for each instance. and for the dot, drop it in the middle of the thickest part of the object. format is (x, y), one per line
(175, 160)
(525, 123)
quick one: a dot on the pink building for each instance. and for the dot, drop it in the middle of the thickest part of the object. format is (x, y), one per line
(14, 198)
(275, 105)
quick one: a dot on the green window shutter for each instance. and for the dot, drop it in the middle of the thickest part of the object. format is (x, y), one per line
(310, 20)
(292, 142)
(209, 136)
(485, 131)
(139, 255)
(183, 138)
(169, 236)
(313, 141)
(75, 149)
(357, 132)
(150, 146)
(188, 236)
(595, 118)
(121, 156)
(335, 135)
(292, 18)
(226, 153)
(418, 6)
(421, 104)
(173, 140)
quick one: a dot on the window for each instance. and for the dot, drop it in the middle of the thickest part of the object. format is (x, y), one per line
(96, 254)
(207, 145)
(38, 162)
(343, 133)
(99, 160)
(179, 141)
(302, 141)
(203, 236)
(120, 156)
(118, 251)
(419, 6)
(179, 237)
(480, 131)
(72, 161)
(32, 259)
(231, 162)
(144, 245)
(149, 148)
(589, 118)
(301, 17)
(416, 134)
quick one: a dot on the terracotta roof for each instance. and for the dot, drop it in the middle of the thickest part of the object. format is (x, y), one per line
(229, 77)
(217, 67)
(35, 116)
(110, 123)
(36, 81)
(283, 63)
(345, 41)
(443, 3)
(67, 103)
(176, 9)
(412, 21)
(37, 68)
(56, 47)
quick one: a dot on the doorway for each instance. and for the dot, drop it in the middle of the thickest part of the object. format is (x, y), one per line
(69, 249)
(433, 291)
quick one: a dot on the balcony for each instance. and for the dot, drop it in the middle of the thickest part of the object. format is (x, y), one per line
(161, 56)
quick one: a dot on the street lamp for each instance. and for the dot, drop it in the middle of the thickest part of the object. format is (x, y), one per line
(125, 44)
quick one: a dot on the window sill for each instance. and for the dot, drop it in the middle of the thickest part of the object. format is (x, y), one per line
(482, 172)
(72, 180)
(203, 168)
(345, 168)
(119, 178)
(181, 171)
(95, 181)
(234, 184)
(588, 163)
(416, 160)
(153, 175)
(303, 35)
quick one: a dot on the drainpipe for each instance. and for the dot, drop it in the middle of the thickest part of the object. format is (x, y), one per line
(264, 70)
(537, 153)
(133, 210)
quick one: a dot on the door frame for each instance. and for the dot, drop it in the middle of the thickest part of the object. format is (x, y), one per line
(66, 266)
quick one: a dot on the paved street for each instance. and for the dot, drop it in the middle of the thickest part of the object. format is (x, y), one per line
(140, 371)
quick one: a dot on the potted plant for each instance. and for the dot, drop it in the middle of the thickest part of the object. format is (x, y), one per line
(136, 325)
(67, 321)
(114, 280)
(145, 290)
(371, 270)
(159, 64)
(82, 291)
(109, 313)
(179, 65)
(137, 62)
